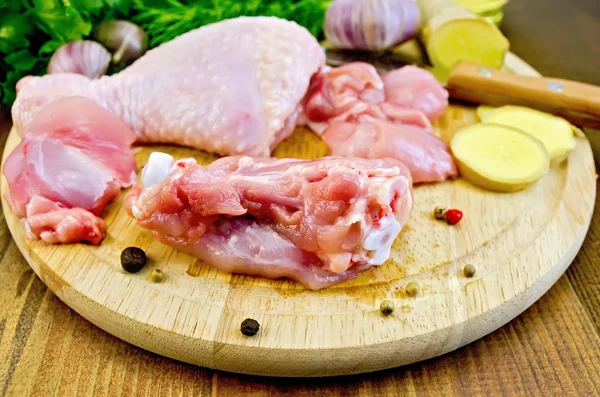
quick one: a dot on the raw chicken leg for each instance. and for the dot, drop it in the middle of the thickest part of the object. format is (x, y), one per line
(233, 87)
(318, 222)
(74, 159)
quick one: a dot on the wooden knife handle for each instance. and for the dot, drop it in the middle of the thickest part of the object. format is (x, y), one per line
(577, 102)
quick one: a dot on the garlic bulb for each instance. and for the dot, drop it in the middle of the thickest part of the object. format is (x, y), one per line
(371, 24)
(126, 40)
(82, 57)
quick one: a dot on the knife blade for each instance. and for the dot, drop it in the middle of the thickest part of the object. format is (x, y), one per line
(382, 61)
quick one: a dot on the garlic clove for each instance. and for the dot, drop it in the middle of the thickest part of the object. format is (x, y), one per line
(126, 40)
(371, 25)
(82, 57)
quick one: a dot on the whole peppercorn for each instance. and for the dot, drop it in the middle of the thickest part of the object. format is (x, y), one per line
(250, 327)
(157, 276)
(453, 216)
(412, 289)
(133, 259)
(386, 307)
(439, 213)
(469, 270)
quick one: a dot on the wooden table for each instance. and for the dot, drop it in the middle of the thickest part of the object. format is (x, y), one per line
(552, 349)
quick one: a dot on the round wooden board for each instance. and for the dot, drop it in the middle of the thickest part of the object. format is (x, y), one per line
(520, 244)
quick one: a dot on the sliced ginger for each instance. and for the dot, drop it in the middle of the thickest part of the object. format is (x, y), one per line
(452, 33)
(482, 6)
(482, 110)
(554, 132)
(499, 158)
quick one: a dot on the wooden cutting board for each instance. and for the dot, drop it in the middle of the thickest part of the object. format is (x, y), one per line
(519, 243)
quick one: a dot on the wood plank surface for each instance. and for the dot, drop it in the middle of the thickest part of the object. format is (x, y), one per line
(553, 348)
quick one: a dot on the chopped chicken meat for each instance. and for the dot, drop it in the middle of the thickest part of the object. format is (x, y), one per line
(316, 221)
(426, 156)
(73, 160)
(359, 114)
(239, 86)
(54, 223)
(415, 88)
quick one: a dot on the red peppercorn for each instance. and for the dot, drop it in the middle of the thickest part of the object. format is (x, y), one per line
(453, 216)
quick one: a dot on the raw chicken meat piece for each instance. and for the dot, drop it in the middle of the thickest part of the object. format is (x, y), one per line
(337, 90)
(316, 221)
(54, 223)
(360, 115)
(232, 87)
(354, 93)
(426, 156)
(416, 88)
(74, 158)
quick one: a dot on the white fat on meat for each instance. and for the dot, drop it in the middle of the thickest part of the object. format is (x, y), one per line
(157, 168)
(378, 240)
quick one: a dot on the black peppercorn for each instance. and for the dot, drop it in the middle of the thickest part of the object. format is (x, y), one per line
(133, 259)
(250, 327)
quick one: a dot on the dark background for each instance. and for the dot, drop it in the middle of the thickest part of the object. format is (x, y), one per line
(560, 38)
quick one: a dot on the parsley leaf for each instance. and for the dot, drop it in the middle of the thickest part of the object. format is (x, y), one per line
(21, 60)
(63, 24)
(163, 20)
(13, 29)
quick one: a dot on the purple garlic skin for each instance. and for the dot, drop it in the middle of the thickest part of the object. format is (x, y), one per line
(84, 57)
(371, 24)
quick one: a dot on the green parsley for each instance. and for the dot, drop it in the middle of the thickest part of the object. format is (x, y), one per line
(165, 19)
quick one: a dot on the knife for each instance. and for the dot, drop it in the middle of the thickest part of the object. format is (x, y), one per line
(577, 102)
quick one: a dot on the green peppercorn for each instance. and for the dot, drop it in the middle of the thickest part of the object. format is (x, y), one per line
(469, 270)
(250, 327)
(157, 276)
(133, 259)
(386, 307)
(412, 289)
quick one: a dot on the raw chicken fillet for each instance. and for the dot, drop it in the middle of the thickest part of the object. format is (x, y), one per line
(319, 222)
(74, 158)
(232, 87)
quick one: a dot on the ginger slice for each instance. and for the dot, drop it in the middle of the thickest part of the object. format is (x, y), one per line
(499, 158)
(556, 133)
